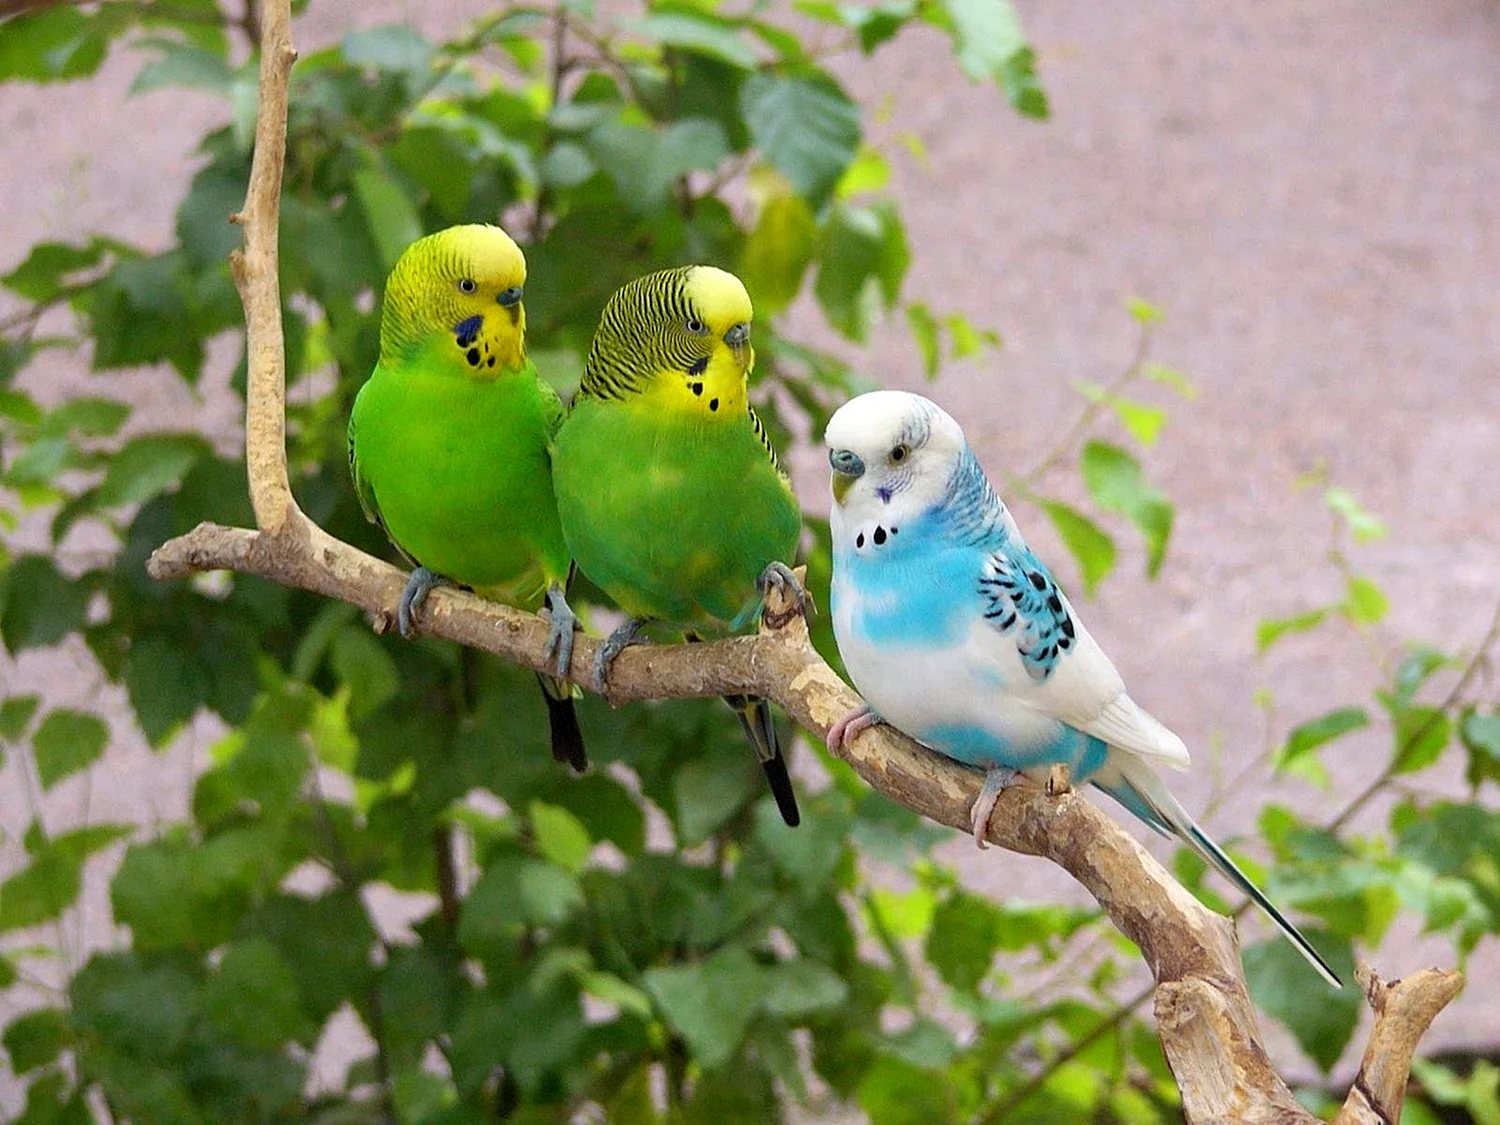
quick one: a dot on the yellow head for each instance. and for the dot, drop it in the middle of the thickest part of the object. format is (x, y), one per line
(462, 287)
(679, 338)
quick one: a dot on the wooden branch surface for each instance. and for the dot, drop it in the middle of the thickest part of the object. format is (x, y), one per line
(1207, 1023)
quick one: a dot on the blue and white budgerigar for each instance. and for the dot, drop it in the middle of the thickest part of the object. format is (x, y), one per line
(956, 633)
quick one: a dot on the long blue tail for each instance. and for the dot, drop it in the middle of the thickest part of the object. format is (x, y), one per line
(1136, 787)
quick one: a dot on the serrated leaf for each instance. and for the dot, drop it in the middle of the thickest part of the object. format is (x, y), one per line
(1308, 736)
(1286, 987)
(805, 126)
(66, 742)
(1089, 544)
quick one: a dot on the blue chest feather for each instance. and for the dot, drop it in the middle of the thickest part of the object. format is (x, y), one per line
(909, 589)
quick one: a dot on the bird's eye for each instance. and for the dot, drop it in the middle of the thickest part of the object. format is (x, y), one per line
(899, 453)
(509, 297)
(467, 285)
(697, 327)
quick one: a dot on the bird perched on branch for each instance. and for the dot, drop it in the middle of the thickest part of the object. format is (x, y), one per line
(671, 497)
(956, 633)
(449, 441)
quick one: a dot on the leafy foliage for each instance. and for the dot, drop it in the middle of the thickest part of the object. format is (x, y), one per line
(647, 942)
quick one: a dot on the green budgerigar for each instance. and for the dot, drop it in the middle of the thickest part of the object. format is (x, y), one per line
(670, 495)
(449, 441)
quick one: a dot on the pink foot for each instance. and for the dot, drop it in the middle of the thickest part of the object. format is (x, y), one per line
(848, 728)
(996, 781)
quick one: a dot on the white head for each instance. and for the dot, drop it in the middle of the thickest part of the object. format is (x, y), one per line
(892, 454)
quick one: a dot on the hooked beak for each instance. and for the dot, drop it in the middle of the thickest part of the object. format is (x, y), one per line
(847, 468)
(738, 336)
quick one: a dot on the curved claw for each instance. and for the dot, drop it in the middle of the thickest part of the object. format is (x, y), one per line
(418, 586)
(848, 728)
(614, 644)
(563, 624)
(779, 576)
(996, 781)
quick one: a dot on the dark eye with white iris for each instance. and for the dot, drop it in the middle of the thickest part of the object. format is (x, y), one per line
(467, 285)
(899, 453)
(697, 327)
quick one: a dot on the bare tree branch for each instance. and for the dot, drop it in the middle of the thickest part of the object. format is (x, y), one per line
(1208, 1025)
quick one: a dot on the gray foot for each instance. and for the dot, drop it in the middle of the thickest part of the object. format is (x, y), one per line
(779, 576)
(418, 586)
(564, 623)
(614, 644)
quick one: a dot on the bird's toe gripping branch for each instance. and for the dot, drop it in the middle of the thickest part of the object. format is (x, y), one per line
(421, 583)
(563, 623)
(617, 642)
(784, 595)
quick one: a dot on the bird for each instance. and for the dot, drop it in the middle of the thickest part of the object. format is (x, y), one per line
(957, 634)
(449, 443)
(671, 497)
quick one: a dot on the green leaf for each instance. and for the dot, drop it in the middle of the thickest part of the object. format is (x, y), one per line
(397, 47)
(1170, 377)
(1308, 736)
(1144, 312)
(1364, 601)
(986, 33)
(362, 665)
(698, 34)
(1116, 483)
(560, 837)
(1480, 735)
(66, 742)
(924, 333)
(253, 1000)
(15, 716)
(36, 1038)
(1144, 422)
(57, 44)
(1286, 987)
(1421, 735)
(796, 989)
(710, 1004)
(50, 884)
(390, 214)
(805, 126)
(645, 164)
(148, 466)
(612, 990)
(515, 892)
(91, 417)
(51, 267)
(961, 943)
(863, 257)
(1086, 540)
(1268, 633)
(183, 65)
(894, 1092)
(38, 606)
(1362, 525)
(778, 252)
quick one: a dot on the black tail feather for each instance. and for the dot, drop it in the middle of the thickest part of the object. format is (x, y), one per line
(562, 722)
(759, 725)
